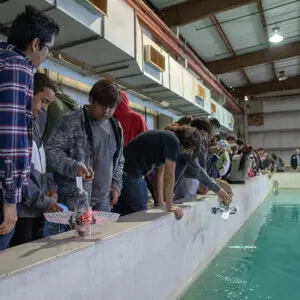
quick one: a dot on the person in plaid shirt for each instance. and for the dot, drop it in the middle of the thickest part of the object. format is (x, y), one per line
(29, 43)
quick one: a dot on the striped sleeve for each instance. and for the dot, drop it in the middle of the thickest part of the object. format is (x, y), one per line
(16, 83)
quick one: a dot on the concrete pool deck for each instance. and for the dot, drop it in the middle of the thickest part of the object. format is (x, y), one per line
(145, 256)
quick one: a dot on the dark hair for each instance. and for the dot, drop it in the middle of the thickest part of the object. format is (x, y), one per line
(231, 137)
(29, 25)
(218, 137)
(42, 81)
(202, 123)
(261, 149)
(239, 142)
(188, 136)
(268, 162)
(246, 151)
(106, 92)
(215, 123)
(186, 120)
(274, 156)
(234, 148)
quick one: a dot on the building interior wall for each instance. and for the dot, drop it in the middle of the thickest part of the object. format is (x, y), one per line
(280, 132)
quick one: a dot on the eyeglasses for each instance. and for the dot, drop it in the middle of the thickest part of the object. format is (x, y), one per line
(50, 50)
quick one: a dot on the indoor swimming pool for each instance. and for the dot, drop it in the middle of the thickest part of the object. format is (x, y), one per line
(262, 261)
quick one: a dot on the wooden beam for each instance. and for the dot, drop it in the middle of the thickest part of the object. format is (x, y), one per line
(227, 43)
(193, 10)
(254, 58)
(271, 86)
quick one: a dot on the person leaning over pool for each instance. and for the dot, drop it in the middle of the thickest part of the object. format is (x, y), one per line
(155, 149)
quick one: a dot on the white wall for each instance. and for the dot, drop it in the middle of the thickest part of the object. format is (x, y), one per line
(144, 256)
(151, 122)
(79, 96)
(287, 180)
(281, 130)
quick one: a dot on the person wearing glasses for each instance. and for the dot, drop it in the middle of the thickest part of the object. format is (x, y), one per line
(29, 43)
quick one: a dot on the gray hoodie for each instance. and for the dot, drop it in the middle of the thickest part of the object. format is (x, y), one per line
(71, 144)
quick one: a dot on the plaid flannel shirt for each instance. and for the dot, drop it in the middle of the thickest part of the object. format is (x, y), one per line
(16, 92)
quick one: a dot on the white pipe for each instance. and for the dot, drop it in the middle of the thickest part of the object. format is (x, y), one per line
(246, 122)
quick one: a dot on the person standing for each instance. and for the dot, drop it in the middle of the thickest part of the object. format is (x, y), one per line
(88, 142)
(241, 165)
(295, 160)
(30, 41)
(43, 195)
(223, 164)
(231, 139)
(278, 163)
(132, 122)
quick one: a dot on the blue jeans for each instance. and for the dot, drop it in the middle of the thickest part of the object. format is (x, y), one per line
(53, 229)
(212, 170)
(104, 205)
(5, 239)
(134, 196)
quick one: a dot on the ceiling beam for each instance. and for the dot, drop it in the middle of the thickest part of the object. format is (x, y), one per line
(227, 43)
(193, 10)
(269, 55)
(271, 86)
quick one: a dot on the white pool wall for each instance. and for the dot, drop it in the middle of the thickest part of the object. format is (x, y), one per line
(145, 256)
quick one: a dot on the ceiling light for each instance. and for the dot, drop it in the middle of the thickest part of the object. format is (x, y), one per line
(282, 76)
(246, 98)
(276, 36)
(165, 104)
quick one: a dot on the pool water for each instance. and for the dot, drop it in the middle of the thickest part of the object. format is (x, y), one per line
(262, 261)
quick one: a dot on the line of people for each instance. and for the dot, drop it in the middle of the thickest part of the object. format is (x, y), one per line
(104, 142)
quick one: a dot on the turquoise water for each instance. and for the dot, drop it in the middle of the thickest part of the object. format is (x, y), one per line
(269, 271)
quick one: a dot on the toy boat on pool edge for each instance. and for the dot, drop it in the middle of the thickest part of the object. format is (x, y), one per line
(224, 211)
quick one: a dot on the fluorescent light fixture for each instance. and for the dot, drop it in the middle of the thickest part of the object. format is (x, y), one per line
(282, 76)
(246, 98)
(165, 104)
(276, 36)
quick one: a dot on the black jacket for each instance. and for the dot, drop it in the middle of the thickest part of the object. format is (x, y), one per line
(294, 161)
